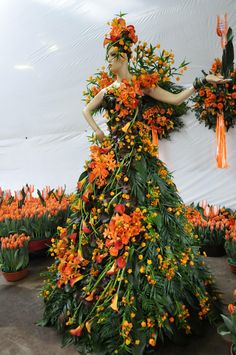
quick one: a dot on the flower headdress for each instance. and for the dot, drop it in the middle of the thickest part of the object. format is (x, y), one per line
(121, 35)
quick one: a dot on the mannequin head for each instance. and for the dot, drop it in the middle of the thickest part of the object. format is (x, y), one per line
(118, 61)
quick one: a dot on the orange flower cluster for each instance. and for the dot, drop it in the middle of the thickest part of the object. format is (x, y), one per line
(121, 34)
(148, 80)
(182, 316)
(231, 232)
(211, 101)
(31, 208)
(159, 118)
(205, 307)
(218, 221)
(14, 241)
(102, 162)
(70, 260)
(96, 83)
(147, 145)
(127, 96)
(121, 228)
(195, 217)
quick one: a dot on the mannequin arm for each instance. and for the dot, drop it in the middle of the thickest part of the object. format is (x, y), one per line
(176, 99)
(165, 96)
(87, 111)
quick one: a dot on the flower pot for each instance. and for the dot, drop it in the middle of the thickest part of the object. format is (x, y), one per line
(213, 250)
(15, 275)
(232, 266)
(36, 245)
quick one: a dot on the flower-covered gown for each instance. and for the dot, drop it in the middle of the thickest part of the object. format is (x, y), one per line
(126, 271)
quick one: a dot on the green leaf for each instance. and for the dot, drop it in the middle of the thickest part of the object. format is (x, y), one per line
(222, 330)
(228, 322)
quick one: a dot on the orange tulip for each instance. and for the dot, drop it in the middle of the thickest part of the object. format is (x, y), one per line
(231, 308)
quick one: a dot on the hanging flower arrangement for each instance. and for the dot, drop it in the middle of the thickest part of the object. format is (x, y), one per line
(216, 106)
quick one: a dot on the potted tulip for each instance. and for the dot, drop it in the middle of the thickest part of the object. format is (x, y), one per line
(230, 247)
(14, 256)
(228, 328)
(35, 216)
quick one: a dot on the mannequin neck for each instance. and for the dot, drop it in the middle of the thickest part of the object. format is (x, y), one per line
(123, 73)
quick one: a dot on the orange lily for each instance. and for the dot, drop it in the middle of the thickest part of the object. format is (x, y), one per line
(114, 303)
(77, 331)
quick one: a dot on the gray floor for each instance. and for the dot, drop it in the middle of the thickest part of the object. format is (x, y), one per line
(20, 308)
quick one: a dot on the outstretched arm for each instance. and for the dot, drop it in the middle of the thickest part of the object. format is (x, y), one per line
(165, 96)
(176, 99)
(87, 112)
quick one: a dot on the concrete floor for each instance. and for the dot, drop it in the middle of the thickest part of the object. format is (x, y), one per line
(20, 308)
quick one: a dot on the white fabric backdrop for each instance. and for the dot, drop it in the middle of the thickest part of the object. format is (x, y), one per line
(48, 50)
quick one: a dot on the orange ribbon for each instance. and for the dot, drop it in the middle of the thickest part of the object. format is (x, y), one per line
(154, 136)
(221, 141)
(222, 29)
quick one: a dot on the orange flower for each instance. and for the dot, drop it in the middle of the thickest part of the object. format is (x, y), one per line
(91, 296)
(120, 208)
(112, 270)
(77, 331)
(121, 262)
(85, 229)
(231, 308)
(220, 106)
(114, 303)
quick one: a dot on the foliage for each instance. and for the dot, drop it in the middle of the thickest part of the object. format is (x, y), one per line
(229, 326)
(230, 243)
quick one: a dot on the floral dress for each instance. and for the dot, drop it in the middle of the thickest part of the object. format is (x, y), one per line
(126, 273)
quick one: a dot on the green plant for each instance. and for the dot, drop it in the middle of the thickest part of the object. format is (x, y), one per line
(14, 255)
(230, 248)
(229, 325)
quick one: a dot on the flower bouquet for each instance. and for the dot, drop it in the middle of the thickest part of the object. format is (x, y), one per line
(14, 256)
(35, 216)
(229, 326)
(230, 246)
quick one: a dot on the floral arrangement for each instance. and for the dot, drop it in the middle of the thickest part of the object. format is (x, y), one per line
(126, 273)
(229, 326)
(14, 254)
(211, 224)
(210, 101)
(121, 35)
(215, 106)
(230, 243)
(35, 216)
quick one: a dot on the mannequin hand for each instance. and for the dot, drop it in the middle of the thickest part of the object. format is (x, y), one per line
(100, 135)
(216, 79)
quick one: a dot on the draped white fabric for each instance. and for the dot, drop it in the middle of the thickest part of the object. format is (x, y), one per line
(48, 50)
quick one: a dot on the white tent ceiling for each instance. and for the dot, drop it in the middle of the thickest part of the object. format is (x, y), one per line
(48, 50)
